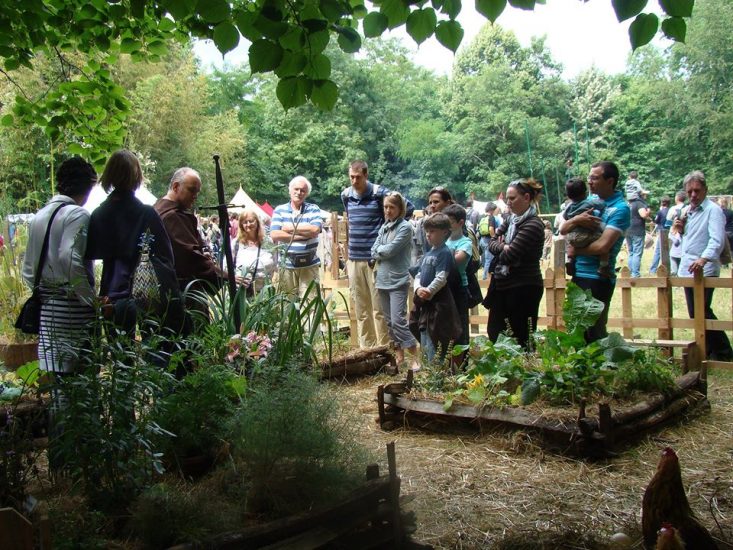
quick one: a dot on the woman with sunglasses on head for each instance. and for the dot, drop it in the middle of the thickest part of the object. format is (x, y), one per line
(516, 285)
(253, 260)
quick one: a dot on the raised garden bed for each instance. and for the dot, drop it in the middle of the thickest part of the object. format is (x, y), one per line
(585, 434)
(369, 361)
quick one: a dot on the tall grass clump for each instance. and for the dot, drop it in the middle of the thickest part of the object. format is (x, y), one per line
(297, 445)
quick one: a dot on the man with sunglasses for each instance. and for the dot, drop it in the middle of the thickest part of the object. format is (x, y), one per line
(603, 181)
(363, 204)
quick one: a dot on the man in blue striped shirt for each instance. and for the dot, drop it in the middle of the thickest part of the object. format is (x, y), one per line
(296, 227)
(363, 204)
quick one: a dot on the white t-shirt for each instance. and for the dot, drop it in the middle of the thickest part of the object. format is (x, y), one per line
(246, 261)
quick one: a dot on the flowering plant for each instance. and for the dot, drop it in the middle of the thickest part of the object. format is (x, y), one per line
(252, 346)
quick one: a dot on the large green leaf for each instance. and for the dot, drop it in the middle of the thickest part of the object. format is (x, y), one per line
(318, 67)
(523, 4)
(179, 9)
(530, 391)
(421, 24)
(615, 349)
(626, 9)
(333, 10)
(491, 9)
(348, 40)
(264, 55)
(451, 8)
(397, 12)
(643, 29)
(324, 94)
(294, 39)
(375, 24)
(675, 28)
(7, 120)
(245, 21)
(292, 91)
(580, 309)
(292, 64)
(226, 36)
(678, 8)
(449, 34)
(316, 42)
(213, 11)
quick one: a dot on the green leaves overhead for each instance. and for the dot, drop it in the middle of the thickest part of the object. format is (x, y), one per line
(675, 28)
(643, 29)
(264, 56)
(449, 34)
(349, 40)
(324, 95)
(421, 24)
(213, 11)
(293, 91)
(626, 9)
(678, 8)
(523, 4)
(491, 9)
(397, 12)
(226, 37)
(375, 24)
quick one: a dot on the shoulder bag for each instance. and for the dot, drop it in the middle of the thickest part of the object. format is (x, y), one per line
(29, 320)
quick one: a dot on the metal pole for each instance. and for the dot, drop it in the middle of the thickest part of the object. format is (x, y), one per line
(224, 220)
(587, 145)
(544, 187)
(557, 184)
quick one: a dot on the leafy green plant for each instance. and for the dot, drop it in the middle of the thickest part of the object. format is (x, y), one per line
(298, 445)
(196, 411)
(563, 368)
(106, 427)
(13, 290)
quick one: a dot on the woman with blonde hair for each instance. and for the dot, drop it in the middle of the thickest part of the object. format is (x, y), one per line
(392, 250)
(516, 286)
(252, 257)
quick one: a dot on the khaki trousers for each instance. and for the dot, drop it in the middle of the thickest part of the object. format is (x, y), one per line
(296, 281)
(370, 325)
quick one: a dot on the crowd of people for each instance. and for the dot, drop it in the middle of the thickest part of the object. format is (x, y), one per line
(394, 259)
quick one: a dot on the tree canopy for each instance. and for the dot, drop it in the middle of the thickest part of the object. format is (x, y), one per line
(289, 39)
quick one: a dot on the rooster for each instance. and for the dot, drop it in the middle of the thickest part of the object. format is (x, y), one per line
(665, 502)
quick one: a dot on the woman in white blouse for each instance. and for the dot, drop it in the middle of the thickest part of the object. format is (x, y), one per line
(252, 257)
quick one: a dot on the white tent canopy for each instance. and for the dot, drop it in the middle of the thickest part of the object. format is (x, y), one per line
(98, 195)
(242, 200)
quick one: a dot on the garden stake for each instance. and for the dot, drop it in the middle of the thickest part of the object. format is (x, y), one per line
(224, 220)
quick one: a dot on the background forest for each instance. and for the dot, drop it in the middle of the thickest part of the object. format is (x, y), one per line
(504, 112)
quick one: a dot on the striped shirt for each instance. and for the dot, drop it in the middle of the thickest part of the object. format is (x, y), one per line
(309, 214)
(366, 216)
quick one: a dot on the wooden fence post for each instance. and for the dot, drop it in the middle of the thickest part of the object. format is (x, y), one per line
(558, 290)
(335, 233)
(698, 293)
(626, 308)
(664, 249)
(664, 302)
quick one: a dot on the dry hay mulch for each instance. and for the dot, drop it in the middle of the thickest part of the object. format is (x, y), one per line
(501, 490)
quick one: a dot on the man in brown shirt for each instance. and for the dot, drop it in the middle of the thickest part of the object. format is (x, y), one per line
(192, 263)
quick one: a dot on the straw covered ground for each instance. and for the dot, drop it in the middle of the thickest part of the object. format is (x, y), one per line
(501, 490)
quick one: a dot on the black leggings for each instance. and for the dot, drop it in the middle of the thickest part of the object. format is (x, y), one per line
(514, 308)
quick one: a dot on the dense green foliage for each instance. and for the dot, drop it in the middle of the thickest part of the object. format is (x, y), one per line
(668, 114)
(563, 369)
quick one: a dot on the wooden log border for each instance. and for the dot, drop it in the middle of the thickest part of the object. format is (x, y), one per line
(583, 436)
(362, 362)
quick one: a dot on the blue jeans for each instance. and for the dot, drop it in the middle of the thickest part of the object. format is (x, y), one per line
(488, 256)
(636, 248)
(657, 256)
(426, 345)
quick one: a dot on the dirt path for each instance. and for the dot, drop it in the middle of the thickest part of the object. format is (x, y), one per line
(499, 490)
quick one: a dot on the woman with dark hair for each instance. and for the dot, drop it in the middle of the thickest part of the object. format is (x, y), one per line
(438, 198)
(118, 229)
(66, 281)
(516, 288)
(254, 262)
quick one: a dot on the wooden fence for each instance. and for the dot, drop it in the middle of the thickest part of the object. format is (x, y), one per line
(555, 281)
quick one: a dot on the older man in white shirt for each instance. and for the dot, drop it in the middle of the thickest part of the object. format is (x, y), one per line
(702, 226)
